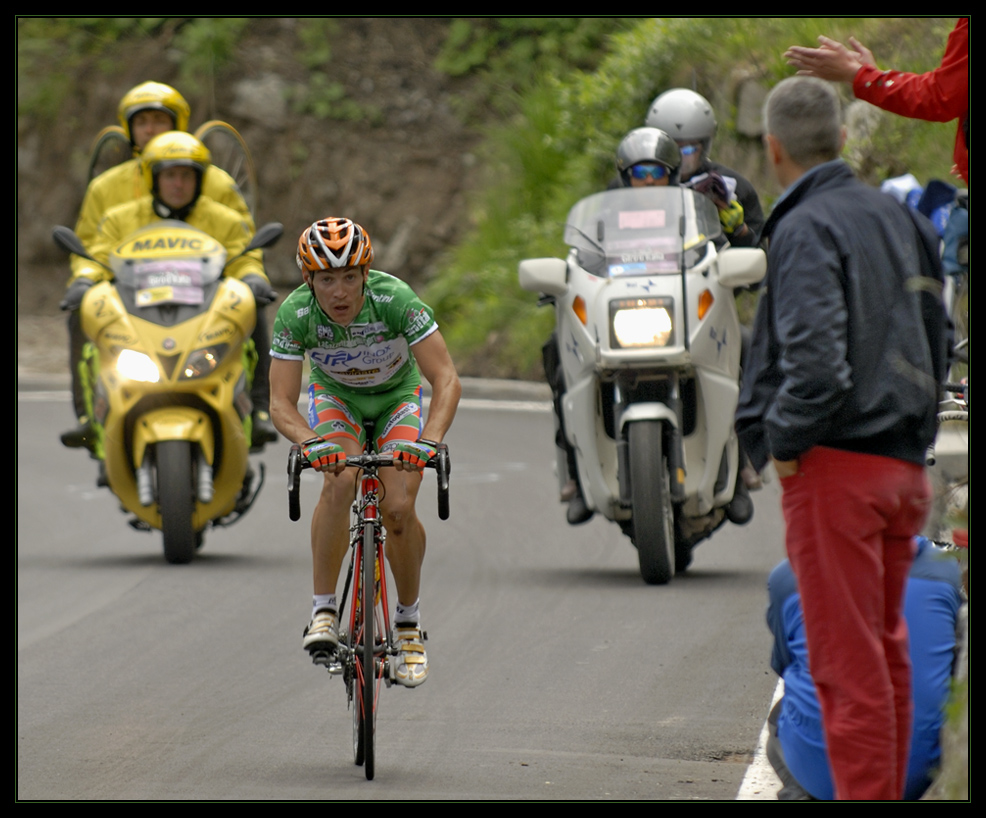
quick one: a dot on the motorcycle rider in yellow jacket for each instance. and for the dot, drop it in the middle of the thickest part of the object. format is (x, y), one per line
(173, 165)
(146, 111)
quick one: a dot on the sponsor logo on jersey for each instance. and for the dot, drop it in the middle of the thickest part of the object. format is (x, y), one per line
(398, 416)
(417, 320)
(376, 328)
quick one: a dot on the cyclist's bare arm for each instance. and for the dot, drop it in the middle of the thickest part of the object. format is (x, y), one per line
(285, 387)
(435, 364)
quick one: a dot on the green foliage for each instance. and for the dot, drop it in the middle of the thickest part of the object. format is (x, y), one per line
(315, 34)
(206, 45)
(320, 96)
(560, 142)
(44, 70)
(505, 52)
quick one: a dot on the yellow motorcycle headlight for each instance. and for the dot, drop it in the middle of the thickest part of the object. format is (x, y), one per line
(136, 366)
(641, 322)
(203, 361)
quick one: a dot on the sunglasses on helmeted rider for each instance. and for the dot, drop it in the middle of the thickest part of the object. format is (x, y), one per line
(643, 171)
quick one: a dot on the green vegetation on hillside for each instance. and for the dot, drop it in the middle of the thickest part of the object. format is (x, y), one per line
(559, 140)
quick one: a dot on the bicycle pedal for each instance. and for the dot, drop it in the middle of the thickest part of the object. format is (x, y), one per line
(323, 657)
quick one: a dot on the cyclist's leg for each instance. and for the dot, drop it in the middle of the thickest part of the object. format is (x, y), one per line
(405, 535)
(405, 540)
(333, 420)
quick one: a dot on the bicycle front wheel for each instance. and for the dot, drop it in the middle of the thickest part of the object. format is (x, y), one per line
(368, 643)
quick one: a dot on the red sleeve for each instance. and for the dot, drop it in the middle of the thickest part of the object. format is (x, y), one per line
(937, 96)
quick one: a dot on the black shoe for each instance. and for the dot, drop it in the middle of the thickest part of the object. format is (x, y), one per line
(578, 511)
(740, 508)
(81, 437)
(263, 431)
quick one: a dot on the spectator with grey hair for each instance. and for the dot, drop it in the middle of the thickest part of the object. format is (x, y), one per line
(840, 393)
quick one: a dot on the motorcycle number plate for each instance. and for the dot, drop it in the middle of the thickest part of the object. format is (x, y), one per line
(168, 282)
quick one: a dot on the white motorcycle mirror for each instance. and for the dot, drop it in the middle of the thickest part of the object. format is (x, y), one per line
(741, 266)
(543, 275)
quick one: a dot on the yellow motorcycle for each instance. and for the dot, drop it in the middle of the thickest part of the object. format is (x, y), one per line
(167, 372)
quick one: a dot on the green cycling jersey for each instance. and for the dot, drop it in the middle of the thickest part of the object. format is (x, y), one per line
(370, 355)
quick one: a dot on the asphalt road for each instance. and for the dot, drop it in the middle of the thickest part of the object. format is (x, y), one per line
(555, 672)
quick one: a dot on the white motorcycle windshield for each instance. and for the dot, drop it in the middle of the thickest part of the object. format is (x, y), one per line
(641, 231)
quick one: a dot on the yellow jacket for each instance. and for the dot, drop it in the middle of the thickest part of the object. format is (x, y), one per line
(125, 183)
(225, 225)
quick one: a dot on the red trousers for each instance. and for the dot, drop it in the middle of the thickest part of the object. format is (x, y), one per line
(850, 519)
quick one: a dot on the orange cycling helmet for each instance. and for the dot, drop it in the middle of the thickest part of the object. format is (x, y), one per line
(332, 243)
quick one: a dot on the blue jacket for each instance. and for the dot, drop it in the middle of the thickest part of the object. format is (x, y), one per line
(849, 341)
(931, 605)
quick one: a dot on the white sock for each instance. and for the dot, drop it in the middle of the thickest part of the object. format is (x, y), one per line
(321, 602)
(407, 614)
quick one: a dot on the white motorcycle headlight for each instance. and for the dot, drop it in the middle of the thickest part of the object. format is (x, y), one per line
(203, 361)
(136, 366)
(641, 322)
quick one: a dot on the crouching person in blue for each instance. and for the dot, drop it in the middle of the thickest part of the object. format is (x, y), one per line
(796, 746)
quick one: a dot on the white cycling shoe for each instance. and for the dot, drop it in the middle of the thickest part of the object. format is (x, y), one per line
(322, 633)
(411, 663)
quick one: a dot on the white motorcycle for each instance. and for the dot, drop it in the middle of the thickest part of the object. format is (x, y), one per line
(650, 350)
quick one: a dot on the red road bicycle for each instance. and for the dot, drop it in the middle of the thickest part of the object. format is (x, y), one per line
(367, 651)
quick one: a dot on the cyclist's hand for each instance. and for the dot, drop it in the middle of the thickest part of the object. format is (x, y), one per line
(324, 455)
(408, 455)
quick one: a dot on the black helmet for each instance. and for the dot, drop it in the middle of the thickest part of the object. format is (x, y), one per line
(647, 145)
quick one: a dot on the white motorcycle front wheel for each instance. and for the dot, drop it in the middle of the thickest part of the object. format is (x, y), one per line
(650, 490)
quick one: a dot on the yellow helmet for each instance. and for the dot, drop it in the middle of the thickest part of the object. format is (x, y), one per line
(153, 96)
(173, 148)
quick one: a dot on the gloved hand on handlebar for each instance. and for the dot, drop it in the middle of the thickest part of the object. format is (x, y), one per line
(76, 291)
(263, 293)
(408, 455)
(324, 455)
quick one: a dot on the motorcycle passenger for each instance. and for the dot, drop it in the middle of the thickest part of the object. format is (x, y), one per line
(369, 339)
(146, 111)
(689, 119)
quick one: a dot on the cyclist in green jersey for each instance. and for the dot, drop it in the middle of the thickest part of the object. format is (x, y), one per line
(368, 339)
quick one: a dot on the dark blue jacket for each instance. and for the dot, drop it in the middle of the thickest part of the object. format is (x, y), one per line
(849, 342)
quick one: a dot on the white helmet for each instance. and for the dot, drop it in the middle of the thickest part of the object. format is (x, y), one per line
(685, 116)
